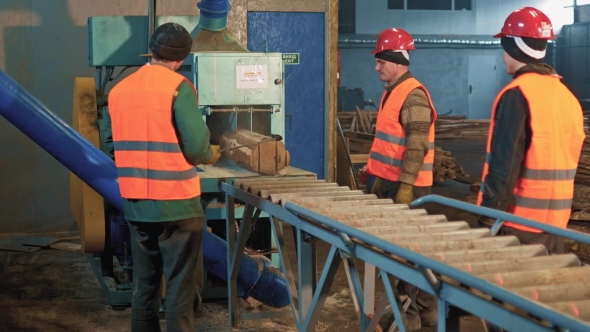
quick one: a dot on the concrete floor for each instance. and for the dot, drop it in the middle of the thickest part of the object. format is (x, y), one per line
(54, 290)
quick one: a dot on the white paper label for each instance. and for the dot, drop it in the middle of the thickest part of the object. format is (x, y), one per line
(252, 76)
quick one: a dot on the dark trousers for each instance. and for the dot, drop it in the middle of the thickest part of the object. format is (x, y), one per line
(420, 299)
(175, 249)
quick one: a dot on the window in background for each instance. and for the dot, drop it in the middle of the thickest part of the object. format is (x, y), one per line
(395, 4)
(430, 4)
(347, 16)
(462, 4)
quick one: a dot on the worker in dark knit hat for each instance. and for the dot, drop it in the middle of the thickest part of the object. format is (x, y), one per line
(535, 136)
(402, 154)
(158, 137)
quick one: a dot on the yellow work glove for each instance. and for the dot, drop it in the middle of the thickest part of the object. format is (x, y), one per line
(405, 194)
(215, 155)
(376, 188)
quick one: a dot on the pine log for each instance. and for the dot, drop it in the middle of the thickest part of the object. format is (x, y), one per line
(267, 158)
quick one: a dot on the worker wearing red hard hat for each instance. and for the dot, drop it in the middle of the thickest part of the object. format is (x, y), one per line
(535, 137)
(402, 154)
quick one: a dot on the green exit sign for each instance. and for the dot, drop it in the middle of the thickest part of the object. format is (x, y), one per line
(291, 58)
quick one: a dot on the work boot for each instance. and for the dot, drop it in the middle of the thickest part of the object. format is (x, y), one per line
(414, 323)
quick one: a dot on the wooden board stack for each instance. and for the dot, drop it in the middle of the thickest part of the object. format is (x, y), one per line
(446, 167)
(458, 128)
(448, 127)
(360, 121)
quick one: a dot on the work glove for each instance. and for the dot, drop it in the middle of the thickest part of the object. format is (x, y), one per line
(376, 188)
(215, 155)
(405, 194)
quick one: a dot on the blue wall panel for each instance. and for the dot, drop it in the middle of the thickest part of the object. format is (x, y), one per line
(301, 33)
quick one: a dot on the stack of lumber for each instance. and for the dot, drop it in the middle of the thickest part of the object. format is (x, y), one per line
(269, 157)
(457, 128)
(447, 127)
(446, 166)
(586, 120)
(361, 121)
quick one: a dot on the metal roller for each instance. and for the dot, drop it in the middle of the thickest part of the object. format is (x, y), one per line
(458, 256)
(393, 214)
(246, 185)
(417, 229)
(519, 264)
(556, 293)
(253, 188)
(241, 182)
(577, 309)
(483, 243)
(341, 195)
(265, 193)
(360, 209)
(539, 278)
(329, 202)
(421, 220)
(343, 192)
(446, 236)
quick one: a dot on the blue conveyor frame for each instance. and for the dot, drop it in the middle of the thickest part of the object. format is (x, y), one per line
(307, 305)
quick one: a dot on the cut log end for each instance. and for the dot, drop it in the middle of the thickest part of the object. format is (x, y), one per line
(269, 157)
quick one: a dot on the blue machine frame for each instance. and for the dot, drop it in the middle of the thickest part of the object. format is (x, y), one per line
(307, 305)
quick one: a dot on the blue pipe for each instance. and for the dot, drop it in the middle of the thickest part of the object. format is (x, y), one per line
(213, 15)
(96, 169)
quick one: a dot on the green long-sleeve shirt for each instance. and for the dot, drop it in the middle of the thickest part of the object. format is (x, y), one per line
(193, 136)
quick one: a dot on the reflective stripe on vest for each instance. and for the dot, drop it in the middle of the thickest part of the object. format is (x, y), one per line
(389, 146)
(148, 155)
(545, 188)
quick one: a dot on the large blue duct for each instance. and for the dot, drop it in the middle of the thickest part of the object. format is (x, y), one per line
(96, 169)
(212, 35)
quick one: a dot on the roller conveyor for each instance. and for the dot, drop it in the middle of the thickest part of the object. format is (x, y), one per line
(556, 284)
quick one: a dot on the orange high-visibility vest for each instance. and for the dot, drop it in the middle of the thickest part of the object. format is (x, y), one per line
(545, 188)
(389, 146)
(148, 156)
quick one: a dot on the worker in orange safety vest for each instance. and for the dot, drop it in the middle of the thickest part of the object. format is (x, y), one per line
(158, 137)
(402, 154)
(535, 137)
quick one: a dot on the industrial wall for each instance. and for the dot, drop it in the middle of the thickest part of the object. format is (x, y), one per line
(44, 45)
(485, 17)
(443, 70)
(443, 67)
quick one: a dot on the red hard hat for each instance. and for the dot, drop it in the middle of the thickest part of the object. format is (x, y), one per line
(527, 22)
(394, 39)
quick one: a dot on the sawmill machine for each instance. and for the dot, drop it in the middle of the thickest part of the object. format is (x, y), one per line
(238, 91)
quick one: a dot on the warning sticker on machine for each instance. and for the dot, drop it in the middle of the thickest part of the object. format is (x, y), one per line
(252, 76)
